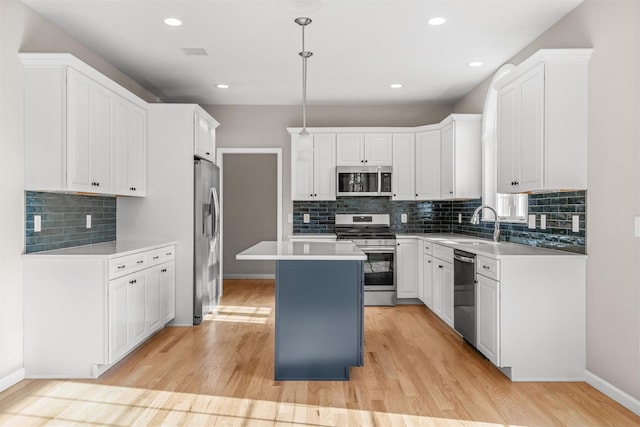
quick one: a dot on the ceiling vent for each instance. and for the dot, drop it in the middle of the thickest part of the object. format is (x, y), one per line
(194, 51)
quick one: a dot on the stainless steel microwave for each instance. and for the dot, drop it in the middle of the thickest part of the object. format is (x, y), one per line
(363, 181)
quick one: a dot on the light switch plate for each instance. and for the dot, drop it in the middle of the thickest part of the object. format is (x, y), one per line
(637, 227)
(88, 221)
(575, 223)
(543, 222)
(459, 218)
(37, 223)
(403, 218)
(306, 218)
(532, 221)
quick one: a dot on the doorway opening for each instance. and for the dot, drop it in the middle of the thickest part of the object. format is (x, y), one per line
(251, 207)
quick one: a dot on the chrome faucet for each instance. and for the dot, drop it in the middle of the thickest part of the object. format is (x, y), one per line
(475, 220)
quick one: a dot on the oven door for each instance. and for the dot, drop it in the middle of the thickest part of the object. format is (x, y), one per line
(379, 268)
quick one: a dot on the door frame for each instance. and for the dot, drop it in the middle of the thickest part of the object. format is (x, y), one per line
(220, 152)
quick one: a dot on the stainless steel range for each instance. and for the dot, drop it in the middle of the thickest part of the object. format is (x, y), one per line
(373, 235)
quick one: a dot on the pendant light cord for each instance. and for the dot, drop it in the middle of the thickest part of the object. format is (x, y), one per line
(303, 22)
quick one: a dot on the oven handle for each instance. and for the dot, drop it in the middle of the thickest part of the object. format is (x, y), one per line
(377, 249)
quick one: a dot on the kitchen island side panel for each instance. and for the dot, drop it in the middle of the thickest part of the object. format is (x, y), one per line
(319, 319)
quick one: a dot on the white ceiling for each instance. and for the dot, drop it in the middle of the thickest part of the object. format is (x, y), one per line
(360, 47)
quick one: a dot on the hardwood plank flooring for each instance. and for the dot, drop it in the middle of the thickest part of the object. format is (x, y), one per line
(417, 372)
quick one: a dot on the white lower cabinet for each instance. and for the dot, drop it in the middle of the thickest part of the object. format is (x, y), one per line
(488, 318)
(100, 304)
(443, 283)
(427, 280)
(407, 273)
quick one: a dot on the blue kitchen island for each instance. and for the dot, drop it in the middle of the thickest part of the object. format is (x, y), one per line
(319, 319)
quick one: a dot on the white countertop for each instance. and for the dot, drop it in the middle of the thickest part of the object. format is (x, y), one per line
(112, 249)
(278, 251)
(486, 247)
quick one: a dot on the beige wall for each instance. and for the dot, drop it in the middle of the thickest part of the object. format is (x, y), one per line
(262, 126)
(21, 29)
(612, 28)
(250, 210)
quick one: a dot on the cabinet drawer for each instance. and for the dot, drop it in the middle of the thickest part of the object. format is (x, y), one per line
(427, 247)
(488, 267)
(443, 252)
(127, 264)
(161, 255)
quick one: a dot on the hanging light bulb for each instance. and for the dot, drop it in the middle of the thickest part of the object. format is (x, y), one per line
(305, 141)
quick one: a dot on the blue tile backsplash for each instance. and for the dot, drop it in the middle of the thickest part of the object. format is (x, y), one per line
(442, 217)
(63, 220)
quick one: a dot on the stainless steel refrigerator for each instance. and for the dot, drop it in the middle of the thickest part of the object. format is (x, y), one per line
(206, 264)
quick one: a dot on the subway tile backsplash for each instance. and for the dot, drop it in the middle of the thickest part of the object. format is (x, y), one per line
(442, 217)
(63, 218)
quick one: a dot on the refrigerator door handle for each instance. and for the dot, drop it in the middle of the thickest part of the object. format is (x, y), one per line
(215, 213)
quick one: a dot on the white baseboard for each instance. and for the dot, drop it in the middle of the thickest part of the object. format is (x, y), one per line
(626, 400)
(249, 276)
(12, 379)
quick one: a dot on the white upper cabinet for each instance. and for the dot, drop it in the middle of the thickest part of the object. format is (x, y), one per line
(83, 132)
(205, 136)
(403, 177)
(89, 134)
(378, 149)
(461, 162)
(350, 149)
(357, 149)
(313, 172)
(427, 165)
(542, 123)
(129, 149)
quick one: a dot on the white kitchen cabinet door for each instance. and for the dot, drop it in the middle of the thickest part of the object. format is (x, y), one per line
(89, 133)
(167, 292)
(129, 149)
(438, 277)
(488, 318)
(531, 130)
(205, 136)
(153, 298)
(324, 166)
(313, 172)
(407, 274)
(403, 180)
(427, 280)
(427, 166)
(127, 313)
(118, 318)
(447, 164)
(350, 149)
(302, 159)
(509, 138)
(136, 307)
(521, 133)
(378, 149)
(447, 293)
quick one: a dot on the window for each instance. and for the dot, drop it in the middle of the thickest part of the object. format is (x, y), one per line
(510, 207)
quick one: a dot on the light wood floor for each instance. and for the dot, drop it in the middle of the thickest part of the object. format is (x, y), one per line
(416, 372)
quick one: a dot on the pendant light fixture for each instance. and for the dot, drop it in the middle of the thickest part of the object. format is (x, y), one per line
(305, 146)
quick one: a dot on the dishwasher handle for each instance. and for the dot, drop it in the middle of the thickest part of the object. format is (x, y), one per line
(462, 258)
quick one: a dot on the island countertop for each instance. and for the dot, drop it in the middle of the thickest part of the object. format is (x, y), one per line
(303, 251)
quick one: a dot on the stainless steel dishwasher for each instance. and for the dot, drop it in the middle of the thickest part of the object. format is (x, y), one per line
(464, 295)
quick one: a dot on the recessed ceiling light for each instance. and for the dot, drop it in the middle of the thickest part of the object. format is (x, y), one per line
(173, 22)
(222, 86)
(436, 21)
(476, 64)
(395, 85)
